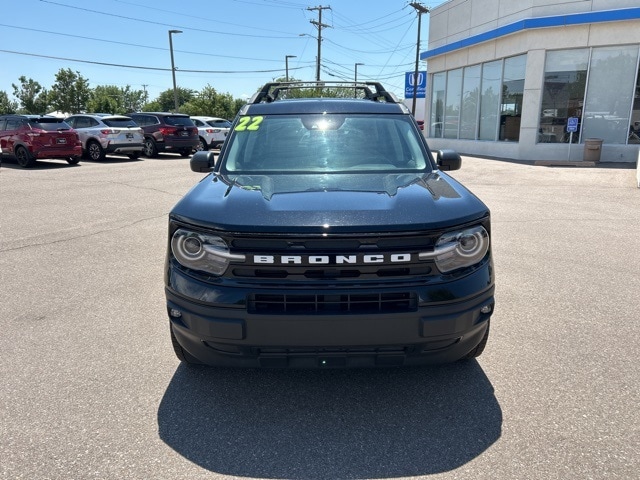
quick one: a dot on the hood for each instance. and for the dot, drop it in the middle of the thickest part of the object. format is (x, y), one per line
(329, 202)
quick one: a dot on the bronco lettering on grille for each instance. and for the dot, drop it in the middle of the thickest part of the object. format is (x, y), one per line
(331, 259)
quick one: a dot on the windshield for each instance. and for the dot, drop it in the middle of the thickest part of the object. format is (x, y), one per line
(119, 122)
(179, 121)
(219, 123)
(49, 124)
(324, 143)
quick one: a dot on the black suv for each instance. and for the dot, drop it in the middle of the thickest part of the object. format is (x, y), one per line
(166, 132)
(327, 235)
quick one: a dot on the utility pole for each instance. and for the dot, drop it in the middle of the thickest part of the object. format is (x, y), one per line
(420, 9)
(320, 26)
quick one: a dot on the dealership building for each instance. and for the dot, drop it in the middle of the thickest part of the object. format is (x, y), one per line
(535, 79)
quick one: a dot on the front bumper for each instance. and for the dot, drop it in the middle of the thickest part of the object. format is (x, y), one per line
(223, 332)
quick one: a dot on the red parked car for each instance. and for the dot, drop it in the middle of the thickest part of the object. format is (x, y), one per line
(28, 138)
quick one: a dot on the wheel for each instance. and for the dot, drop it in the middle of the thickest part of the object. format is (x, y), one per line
(477, 351)
(73, 160)
(150, 149)
(185, 152)
(182, 355)
(134, 155)
(202, 145)
(25, 160)
(95, 151)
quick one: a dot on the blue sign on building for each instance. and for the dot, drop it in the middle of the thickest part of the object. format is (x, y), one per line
(410, 81)
(572, 125)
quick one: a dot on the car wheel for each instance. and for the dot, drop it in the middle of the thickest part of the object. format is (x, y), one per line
(150, 149)
(477, 351)
(73, 160)
(185, 152)
(202, 145)
(95, 151)
(182, 355)
(134, 155)
(25, 160)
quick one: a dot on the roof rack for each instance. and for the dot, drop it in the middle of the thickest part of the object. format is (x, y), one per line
(372, 90)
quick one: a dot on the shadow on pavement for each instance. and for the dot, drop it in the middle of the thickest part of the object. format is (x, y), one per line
(332, 423)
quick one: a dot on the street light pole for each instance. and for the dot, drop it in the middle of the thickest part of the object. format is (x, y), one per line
(286, 65)
(355, 79)
(420, 9)
(355, 76)
(173, 69)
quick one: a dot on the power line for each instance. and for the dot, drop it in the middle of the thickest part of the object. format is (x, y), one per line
(141, 67)
(186, 27)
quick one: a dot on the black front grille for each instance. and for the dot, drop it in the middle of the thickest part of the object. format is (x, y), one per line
(352, 303)
(280, 250)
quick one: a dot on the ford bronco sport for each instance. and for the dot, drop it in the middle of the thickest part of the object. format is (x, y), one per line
(327, 235)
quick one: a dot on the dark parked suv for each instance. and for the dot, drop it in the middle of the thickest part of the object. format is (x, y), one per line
(328, 235)
(28, 138)
(167, 132)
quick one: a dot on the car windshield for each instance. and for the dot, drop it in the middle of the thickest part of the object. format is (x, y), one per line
(49, 124)
(219, 123)
(179, 120)
(119, 122)
(324, 143)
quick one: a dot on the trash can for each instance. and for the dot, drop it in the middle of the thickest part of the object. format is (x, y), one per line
(592, 149)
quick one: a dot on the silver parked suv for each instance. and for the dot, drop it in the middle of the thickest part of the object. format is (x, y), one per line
(102, 134)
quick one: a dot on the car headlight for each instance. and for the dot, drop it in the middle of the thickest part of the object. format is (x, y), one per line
(458, 249)
(198, 251)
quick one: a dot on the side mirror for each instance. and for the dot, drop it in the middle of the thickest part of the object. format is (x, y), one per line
(202, 161)
(449, 160)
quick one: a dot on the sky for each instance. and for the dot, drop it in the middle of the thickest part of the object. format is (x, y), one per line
(234, 46)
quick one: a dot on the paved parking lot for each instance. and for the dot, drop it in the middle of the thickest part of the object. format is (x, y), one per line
(90, 388)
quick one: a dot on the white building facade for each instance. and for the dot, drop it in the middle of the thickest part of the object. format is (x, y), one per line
(534, 79)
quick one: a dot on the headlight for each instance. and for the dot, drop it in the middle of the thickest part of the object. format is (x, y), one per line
(459, 249)
(198, 251)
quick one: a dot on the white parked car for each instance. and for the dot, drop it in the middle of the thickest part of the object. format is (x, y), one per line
(102, 134)
(212, 131)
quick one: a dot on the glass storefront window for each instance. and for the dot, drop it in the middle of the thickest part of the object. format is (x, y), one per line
(565, 76)
(512, 94)
(634, 129)
(437, 104)
(452, 110)
(606, 112)
(490, 99)
(470, 97)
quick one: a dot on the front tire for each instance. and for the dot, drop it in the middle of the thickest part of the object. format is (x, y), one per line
(150, 149)
(185, 152)
(24, 158)
(95, 151)
(134, 155)
(73, 160)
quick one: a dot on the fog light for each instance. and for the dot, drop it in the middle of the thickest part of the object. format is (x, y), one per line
(486, 309)
(175, 313)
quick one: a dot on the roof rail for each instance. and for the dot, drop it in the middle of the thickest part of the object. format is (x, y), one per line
(371, 90)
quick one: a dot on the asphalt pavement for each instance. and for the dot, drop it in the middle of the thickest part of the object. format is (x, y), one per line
(90, 387)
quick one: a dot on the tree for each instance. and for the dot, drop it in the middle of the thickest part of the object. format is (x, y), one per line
(32, 97)
(116, 100)
(6, 105)
(71, 92)
(211, 103)
(165, 101)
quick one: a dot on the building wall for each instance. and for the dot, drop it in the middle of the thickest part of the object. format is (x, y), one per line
(458, 20)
